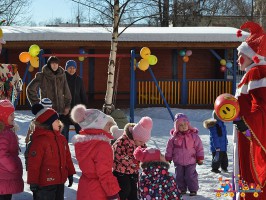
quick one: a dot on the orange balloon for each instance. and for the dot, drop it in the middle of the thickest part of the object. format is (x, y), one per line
(185, 59)
(31, 69)
(24, 57)
(34, 61)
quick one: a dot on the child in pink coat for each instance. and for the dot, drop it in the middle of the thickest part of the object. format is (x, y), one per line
(10, 164)
(186, 150)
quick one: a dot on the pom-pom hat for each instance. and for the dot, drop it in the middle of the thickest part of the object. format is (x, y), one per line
(90, 118)
(142, 130)
(46, 102)
(44, 115)
(255, 44)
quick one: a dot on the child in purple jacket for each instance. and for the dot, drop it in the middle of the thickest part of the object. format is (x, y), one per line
(186, 150)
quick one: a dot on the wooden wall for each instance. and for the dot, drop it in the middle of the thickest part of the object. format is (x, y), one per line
(202, 65)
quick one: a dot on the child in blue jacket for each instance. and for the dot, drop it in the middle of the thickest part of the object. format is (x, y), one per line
(218, 143)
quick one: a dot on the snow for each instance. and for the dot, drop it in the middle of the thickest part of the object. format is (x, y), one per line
(137, 34)
(208, 181)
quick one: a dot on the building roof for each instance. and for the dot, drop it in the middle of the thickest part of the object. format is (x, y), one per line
(131, 34)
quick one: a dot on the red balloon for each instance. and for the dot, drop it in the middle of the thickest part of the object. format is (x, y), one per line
(223, 68)
(226, 107)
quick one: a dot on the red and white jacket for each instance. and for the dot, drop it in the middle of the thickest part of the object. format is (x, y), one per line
(251, 94)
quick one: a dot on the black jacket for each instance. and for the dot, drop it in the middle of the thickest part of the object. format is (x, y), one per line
(77, 90)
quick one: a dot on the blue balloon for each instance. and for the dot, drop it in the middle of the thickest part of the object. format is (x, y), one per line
(182, 53)
(229, 65)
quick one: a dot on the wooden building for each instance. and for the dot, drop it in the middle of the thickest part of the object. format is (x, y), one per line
(197, 82)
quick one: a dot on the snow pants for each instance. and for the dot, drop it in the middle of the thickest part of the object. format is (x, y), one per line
(187, 177)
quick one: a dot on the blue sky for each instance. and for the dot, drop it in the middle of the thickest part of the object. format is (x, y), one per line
(44, 10)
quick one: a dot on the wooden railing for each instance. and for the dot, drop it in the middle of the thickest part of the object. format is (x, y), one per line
(198, 92)
(148, 93)
(206, 91)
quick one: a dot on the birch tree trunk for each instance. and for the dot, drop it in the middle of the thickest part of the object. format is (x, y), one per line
(108, 106)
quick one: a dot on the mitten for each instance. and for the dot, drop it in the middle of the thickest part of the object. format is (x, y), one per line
(70, 181)
(240, 125)
(217, 156)
(114, 197)
(34, 187)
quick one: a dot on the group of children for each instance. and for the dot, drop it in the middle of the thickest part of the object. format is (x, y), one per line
(108, 171)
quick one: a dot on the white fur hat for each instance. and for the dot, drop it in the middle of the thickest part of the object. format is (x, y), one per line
(90, 118)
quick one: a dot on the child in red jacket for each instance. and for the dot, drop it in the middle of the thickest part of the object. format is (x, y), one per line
(126, 167)
(10, 165)
(49, 159)
(94, 154)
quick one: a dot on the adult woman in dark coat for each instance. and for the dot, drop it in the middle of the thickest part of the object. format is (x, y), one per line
(52, 83)
(78, 94)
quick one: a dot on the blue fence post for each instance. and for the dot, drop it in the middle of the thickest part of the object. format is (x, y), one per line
(161, 93)
(234, 71)
(184, 85)
(41, 60)
(132, 85)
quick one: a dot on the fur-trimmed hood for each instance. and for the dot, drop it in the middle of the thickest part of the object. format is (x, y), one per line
(86, 138)
(208, 123)
(127, 132)
(155, 164)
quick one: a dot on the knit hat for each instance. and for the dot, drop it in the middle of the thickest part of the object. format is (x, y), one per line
(181, 117)
(142, 130)
(71, 63)
(255, 45)
(90, 118)
(6, 109)
(46, 102)
(147, 154)
(44, 115)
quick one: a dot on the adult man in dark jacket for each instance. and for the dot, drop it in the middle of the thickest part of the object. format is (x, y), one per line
(78, 94)
(52, 84)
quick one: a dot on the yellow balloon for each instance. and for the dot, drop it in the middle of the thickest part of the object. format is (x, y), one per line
(223, 62)
(34, 50)
(145, 52)
(152, 60)
(143, 64)
(31, 69)
(81, 59)
(34, 61)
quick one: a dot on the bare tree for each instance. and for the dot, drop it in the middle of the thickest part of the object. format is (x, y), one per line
(260, 11)
(15, 11)
(116, 12)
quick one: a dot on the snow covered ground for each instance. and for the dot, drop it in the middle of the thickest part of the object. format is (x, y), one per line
(160, 134)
